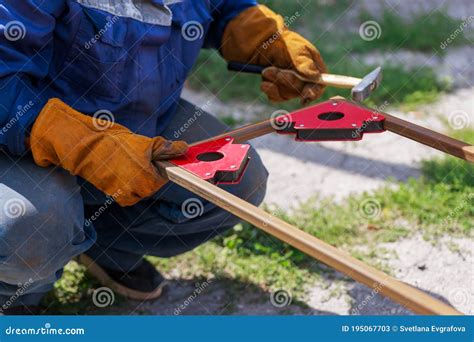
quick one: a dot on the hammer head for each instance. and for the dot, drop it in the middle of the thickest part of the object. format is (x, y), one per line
(367, 85)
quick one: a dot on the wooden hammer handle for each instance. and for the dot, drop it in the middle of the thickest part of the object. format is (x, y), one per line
(338, 81)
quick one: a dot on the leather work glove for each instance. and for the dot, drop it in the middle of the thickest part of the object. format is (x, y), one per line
(259, 36)
(111, 157)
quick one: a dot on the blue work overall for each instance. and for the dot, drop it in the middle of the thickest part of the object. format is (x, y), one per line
(130, 58)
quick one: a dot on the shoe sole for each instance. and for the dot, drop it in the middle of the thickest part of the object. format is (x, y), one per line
(105, 280)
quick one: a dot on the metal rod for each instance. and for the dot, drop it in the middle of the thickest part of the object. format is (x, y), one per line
(430, 138)
(393, 124)
(244, 133)
(408, 296)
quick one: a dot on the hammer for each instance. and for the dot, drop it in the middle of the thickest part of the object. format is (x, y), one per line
(361, 87)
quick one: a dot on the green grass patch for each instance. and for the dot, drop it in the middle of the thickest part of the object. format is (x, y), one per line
(424, 32)
(72, 294)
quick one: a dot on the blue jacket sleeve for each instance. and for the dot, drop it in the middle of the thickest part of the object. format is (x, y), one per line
(26, 48)
(222, 12)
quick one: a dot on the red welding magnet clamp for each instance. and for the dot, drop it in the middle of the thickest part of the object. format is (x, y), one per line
(218, 161)
(334, 120)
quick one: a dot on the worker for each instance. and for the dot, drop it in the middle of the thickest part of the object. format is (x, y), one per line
(90, 98)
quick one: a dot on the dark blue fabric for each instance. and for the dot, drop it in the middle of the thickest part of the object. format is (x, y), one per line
(135, 70)
(54, 225)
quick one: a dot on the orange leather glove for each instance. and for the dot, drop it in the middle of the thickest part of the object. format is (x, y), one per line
(259, 36)
(115, 160)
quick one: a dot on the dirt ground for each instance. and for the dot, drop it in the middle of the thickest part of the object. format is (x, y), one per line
(418, 263)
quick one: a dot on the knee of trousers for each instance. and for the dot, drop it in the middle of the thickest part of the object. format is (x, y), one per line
(253, 184)
(252, 187)
(40, 230)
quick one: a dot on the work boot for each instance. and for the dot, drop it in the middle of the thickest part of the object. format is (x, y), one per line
(22, 310)
(143, 283)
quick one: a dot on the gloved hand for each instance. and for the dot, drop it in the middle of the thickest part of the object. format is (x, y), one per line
(114, 159)
(260, 36)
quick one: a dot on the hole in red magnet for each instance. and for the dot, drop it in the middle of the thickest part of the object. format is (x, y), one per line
(210, 156)
(331, 116)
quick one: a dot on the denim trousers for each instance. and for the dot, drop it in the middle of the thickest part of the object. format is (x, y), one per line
(47, 217)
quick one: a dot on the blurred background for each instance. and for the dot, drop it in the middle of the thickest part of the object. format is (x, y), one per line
(393, 203)
(408, 38)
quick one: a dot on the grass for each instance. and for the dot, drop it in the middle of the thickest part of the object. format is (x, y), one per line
(400, 85)
(440, 203)
(424, 32)
(72, 294)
